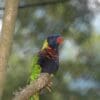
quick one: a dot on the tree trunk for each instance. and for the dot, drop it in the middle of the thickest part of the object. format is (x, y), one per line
(11, 7)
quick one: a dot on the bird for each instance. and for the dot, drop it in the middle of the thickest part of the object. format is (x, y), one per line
(47, 59)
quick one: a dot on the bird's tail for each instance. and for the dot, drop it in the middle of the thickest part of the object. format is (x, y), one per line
(35, 97)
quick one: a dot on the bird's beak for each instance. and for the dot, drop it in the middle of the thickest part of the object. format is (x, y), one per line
(60, 40)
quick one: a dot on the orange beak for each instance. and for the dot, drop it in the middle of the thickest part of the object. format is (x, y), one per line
(60, 40)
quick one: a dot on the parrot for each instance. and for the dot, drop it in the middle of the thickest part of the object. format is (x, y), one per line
(46, 60)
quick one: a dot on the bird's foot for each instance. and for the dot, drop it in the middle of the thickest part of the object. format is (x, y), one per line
(49, 85)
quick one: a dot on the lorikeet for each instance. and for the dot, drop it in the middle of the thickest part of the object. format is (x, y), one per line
(47, 59)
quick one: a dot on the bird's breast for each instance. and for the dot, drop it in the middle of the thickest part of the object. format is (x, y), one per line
(49, 65)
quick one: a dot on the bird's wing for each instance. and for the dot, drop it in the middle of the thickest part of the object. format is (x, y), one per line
(36, 69)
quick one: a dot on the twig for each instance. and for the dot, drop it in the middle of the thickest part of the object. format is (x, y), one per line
(39, 4)
(35, 86)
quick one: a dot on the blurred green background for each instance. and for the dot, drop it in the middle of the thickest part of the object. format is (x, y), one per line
(78, 21)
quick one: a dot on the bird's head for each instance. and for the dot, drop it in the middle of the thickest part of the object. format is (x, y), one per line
(53, 42)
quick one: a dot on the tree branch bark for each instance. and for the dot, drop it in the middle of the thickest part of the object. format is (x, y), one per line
(6, 37)
(43, 80)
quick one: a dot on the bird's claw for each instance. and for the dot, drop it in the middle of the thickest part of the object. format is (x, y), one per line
(48, 87)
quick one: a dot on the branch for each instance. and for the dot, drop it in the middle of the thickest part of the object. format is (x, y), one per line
(39, 4)
(35, 86)
(53, 2)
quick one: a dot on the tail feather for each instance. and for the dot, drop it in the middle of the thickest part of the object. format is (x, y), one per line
(35, 97)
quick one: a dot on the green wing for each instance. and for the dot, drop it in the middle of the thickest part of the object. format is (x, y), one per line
(36, 69)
